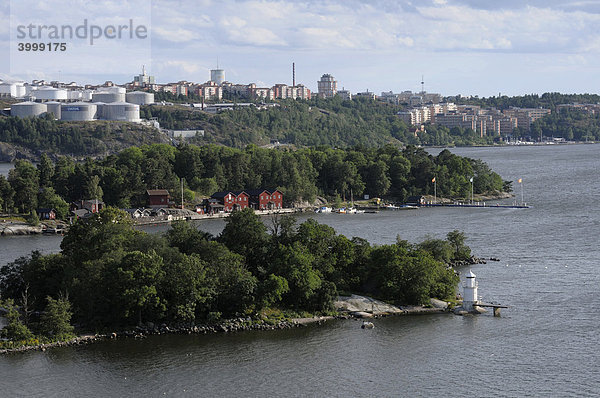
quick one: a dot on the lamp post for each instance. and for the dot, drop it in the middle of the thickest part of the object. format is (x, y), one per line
(471, 180)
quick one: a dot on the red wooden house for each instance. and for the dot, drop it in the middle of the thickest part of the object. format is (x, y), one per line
(232, 200)
(158, 198)
(263, 199)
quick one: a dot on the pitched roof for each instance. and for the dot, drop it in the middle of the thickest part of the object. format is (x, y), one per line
(157, 192)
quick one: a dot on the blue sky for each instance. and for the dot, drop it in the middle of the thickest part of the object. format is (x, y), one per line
(468, 47)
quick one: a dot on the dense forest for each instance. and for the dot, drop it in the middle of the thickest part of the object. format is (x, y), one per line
(546, 100)
(332, 122)
(109, 274)
(122, 180)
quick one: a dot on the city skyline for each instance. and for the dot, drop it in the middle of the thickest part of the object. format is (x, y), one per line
(462, 47)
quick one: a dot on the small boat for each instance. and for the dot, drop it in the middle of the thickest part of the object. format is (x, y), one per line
(323, 209)
(367, 325)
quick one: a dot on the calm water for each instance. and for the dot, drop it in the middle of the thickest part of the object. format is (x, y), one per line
(544, 345)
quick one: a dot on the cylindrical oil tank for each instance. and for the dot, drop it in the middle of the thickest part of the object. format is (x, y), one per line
(86, 95)
(122, 111)
(78, 111)
(53, 107)
(108, 97)
(27, 109)
(99, 110)
(140, 97)
(15, 90)
(50, 94)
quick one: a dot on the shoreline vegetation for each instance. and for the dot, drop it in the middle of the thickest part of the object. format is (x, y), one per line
(306, 177)
(109, 276)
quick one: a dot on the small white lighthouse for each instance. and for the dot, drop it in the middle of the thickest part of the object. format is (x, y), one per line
(469, 292)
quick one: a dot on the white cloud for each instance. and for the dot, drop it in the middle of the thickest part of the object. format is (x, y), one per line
(176, 35)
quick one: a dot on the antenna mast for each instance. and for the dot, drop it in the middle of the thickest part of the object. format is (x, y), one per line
(293, 74)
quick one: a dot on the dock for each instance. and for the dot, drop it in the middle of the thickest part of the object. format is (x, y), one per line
(476, 205)
(496, 307)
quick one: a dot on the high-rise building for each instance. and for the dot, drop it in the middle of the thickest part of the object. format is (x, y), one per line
(327, 86)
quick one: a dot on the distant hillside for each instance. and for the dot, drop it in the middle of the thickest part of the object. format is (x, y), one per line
(29, 137)
(330, 122)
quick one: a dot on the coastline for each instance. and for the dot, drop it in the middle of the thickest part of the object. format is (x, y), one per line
(370, 308)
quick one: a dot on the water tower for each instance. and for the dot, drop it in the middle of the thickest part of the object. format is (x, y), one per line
(469, 292)
(217, 76)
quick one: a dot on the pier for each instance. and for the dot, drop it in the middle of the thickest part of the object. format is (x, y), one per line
(477, 205)
(496, 307)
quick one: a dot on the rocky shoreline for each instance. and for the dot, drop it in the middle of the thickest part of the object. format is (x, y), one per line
(151, 329)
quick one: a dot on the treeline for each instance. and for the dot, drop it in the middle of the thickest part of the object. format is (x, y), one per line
(122, 180)
(113, 275)
(44, 134)
(546, 100)
(570, 124)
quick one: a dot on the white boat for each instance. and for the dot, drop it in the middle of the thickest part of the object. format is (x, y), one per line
(323, 209)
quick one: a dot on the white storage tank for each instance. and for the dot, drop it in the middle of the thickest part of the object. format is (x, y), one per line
(53, 107)
(108, 97)
(78, 111)
(140, 97)
(121, 111)
(14, 89)
(99, 110)
(50, 94)
(86, 95)
(27, 109)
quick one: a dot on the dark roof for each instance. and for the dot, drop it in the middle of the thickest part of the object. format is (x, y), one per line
(81, 212)
(220, 194)
(93, 201)
(157, 192)
(256, 192)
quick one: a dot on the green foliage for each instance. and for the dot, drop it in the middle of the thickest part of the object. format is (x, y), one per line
(24, 180)
(48, 198)
(122, 180)
(117, 276)
(56, 319)
(33, 218)
(457, 241)
(15, 329)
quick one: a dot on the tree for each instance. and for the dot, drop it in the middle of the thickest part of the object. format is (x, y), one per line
(15, 330)
(24, 179)
(135, 283)
(48, 198)
(104, 232)
(7, 194)
(245, 234)
(46, 171)
(56, 319)
(33, 218)
(93, 188)
(457, 240)
(271, 290)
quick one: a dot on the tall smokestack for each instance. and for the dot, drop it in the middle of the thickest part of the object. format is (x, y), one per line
(293, 74)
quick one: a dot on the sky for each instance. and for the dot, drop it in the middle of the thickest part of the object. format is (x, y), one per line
(467, 47)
